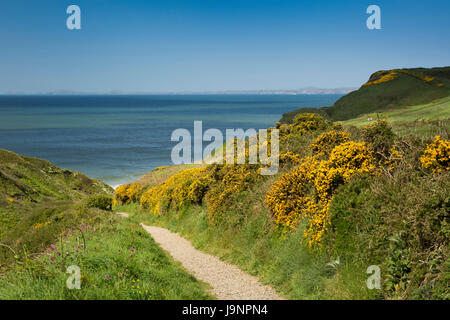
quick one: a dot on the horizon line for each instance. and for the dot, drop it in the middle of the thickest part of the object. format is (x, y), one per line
(308, 90)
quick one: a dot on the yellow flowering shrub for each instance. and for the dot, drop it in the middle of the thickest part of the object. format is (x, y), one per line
(352, 157)
(437, 155)
(230, 181)
(184, 187)
(290, 158)
(381, 77)
(40, 225)
(324, 143)
(289, 196)
(307, 191)
(427, 79)
(393, 159)
(305, 122)
(389, 75)
(128, 193)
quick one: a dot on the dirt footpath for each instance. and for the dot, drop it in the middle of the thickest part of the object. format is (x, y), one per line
(228, 282)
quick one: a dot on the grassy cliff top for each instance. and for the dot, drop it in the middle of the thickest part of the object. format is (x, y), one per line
(386, 90)
(30, 180)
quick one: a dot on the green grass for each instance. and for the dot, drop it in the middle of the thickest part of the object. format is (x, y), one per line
(437, 110)
(277, 259)
(425, 121)
(35, 191)
(108, 271)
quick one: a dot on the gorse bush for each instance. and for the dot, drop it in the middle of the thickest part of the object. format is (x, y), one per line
(102, 202)
(437, 155)
(307, 190)
(128, 193)
(380, 138)
(185, 187)
(359, 194)
(305, 122)
(304, 192)
(290, 196)
(323, 144)
(290, 158)
(230, 180)
(381, 77)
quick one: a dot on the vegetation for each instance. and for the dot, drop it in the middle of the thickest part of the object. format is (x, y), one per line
(53, 218)
(102, 202)
(335, 208)
(38, 201)
(347, 196)
(117, 260)
(387, 90)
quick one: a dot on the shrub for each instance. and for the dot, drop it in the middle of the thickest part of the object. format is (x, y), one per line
(400, 224)
(437, 155)
(323, 144)
(290, 158)
(100, 202)
(381, 77)
(307, 190)
(290, 194)
(380, 137)
(230, 180)
(350, 158)
(305, 122)
(128, 193)
(185, 187)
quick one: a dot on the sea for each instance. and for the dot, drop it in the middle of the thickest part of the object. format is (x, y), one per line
(119, 138)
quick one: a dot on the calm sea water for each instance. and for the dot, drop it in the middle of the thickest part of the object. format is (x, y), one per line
(120, 138)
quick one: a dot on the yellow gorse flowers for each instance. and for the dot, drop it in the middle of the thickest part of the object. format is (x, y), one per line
(323, 145)
(383, 76)
(184, 187)
(128, 193)
(40, 225)
(437, 155)
(307, 191)
(389, 75)
(305, 122)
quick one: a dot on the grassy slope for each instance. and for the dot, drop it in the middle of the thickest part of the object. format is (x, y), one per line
(30, 180)
(41, 205)
(34, 191)
(253, 243)
(405, 90)
(435, 110)
(107, 269)
(27, 183)
(249, 239)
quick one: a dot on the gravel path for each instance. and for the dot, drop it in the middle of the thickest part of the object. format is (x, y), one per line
(123, 214)
(227, 281)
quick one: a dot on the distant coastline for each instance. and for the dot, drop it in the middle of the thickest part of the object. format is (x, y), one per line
(308, 90)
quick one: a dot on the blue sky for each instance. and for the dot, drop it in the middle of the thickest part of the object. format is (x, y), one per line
(214, 45)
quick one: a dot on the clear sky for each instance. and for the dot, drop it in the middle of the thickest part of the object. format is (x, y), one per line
(207, 45)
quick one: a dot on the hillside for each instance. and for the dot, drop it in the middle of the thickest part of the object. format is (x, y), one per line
(346, 197)
(26, 180)
(34, 193)
(52, 218)
(385, 90)
(436, 110)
